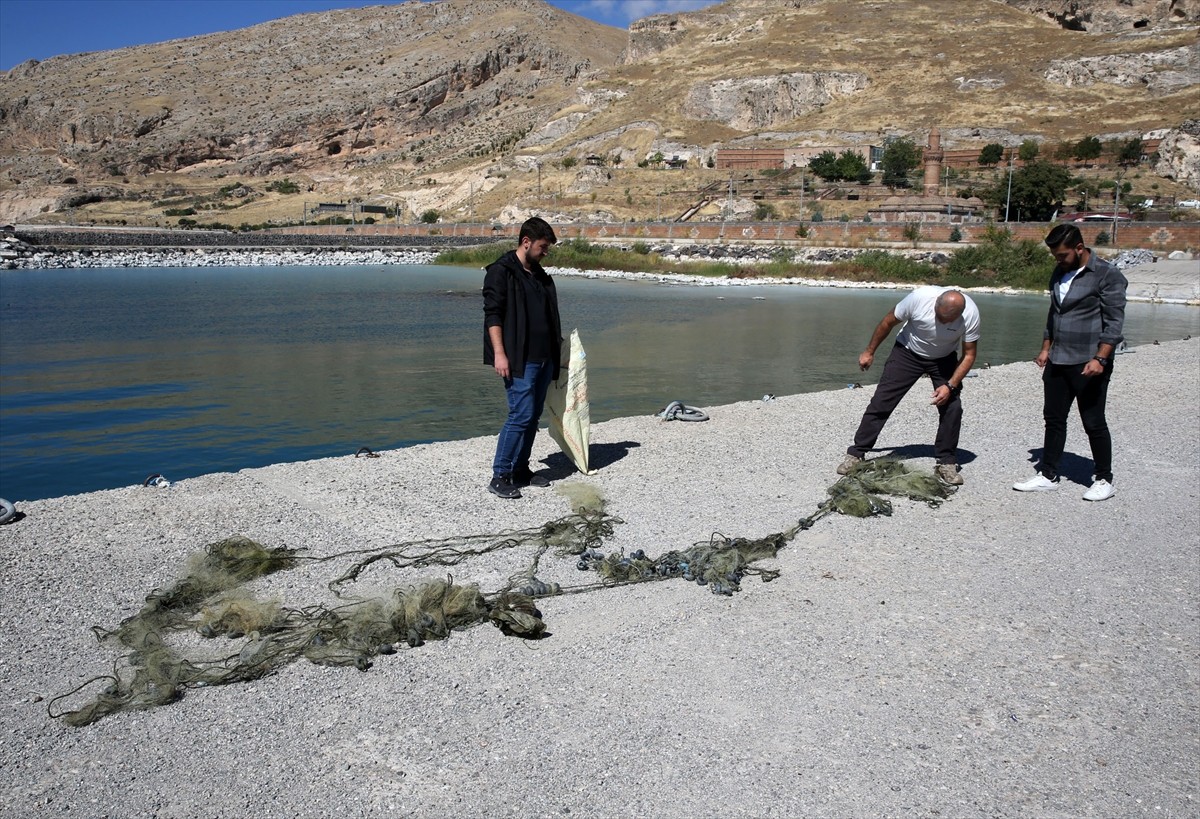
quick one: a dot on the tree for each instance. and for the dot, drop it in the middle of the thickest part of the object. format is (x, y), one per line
(1037, 191)
(1130, 152)
(991, 154)
(764, 212)
(851, 165)
(430, 216)
(1088, 148)
(1064, 151)
(824, 165)
(1028, 150)
(899, 158)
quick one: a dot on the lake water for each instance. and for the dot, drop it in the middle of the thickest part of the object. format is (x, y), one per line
(108, 376)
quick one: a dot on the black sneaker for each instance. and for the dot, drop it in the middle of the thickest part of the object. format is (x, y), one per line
(526, 477)
(502, 487)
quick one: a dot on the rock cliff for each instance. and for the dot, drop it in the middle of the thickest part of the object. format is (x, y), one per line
(1179, 155)
(465, 105)
(1100, 16)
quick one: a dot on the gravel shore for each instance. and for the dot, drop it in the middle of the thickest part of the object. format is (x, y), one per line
(1001, 655)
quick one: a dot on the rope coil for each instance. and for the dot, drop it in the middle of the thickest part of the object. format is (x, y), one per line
(678, 411)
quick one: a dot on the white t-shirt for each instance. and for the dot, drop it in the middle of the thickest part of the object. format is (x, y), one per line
(923, 334)
(1064, 284)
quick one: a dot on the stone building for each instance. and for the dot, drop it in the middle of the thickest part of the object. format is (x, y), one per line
(930, 205)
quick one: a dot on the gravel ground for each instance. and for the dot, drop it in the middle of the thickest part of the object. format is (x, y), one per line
(1002, 655)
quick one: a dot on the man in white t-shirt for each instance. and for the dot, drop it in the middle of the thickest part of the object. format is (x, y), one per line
(937, 320)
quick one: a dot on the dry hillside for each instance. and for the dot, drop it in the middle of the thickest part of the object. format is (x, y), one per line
(471, 106)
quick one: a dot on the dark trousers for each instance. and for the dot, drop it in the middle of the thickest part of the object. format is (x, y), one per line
(901, 371)
(1065, 384)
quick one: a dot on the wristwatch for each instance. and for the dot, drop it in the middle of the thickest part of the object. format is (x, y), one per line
(1103, 361)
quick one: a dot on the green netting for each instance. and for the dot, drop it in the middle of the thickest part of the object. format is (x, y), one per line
(175, 642)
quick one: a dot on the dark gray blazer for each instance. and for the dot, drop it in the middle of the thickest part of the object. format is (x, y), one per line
(1092, 313)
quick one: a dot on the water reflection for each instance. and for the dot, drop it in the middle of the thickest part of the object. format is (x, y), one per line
(110, 375)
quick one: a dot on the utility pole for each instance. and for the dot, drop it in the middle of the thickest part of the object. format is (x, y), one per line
(946, 190)
(1116, 207)
(1008, 200)
(802, 194)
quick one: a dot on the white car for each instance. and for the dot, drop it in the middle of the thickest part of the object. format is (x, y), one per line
(1188, 203)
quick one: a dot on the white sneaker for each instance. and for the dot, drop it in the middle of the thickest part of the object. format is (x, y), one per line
(1100, 490)
(1038, 483)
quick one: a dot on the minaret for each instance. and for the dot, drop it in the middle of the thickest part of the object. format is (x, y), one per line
(933, 163)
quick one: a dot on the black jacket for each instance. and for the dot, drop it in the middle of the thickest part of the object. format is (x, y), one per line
(504, 306)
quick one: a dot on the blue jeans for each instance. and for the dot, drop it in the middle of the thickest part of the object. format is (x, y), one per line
(526, 397)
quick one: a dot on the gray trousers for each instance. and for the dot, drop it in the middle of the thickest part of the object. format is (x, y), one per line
(902, 370)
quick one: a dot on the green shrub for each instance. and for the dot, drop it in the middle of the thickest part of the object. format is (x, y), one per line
(1102, 238)
(891, 268)
(764, 212)
(284, 186)
(999, 260)
(955, 234)
(430, 216)
(641, 248)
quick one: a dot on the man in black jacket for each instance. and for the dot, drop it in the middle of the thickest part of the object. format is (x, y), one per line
(523, 342)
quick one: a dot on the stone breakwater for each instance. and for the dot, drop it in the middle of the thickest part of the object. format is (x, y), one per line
(161, 250)
(49, 260)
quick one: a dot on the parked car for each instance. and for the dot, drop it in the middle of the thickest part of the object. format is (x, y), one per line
(1095, 216)
(1188, 203)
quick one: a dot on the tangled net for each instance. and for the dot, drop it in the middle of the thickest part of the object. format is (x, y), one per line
(211, 601)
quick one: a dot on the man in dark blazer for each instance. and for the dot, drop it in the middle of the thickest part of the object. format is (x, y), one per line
(1083, 329)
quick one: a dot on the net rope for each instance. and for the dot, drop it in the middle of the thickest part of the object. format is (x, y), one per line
(181, 637)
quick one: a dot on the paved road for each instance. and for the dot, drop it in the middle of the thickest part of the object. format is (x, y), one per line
(1165, 279)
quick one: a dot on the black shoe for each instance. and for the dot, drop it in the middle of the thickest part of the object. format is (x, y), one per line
(526, 477)
(502, 487)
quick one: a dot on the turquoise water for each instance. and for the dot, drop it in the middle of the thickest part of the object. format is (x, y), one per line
(110, 375)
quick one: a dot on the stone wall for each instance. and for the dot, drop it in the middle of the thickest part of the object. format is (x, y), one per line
(1156, 236)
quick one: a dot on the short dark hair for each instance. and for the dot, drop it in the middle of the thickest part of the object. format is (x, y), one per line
(537, 228)
(1064, 235)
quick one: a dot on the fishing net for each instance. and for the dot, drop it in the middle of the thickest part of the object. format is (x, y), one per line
(210, 628)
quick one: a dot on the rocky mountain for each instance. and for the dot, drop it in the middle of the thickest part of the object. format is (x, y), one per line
(469, 106)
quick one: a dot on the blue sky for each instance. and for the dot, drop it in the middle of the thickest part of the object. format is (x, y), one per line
(38, 29)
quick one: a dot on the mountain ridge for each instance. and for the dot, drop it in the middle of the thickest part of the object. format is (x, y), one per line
(474, 106)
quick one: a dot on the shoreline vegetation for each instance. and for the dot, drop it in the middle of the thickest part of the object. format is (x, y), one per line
(998, 261)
